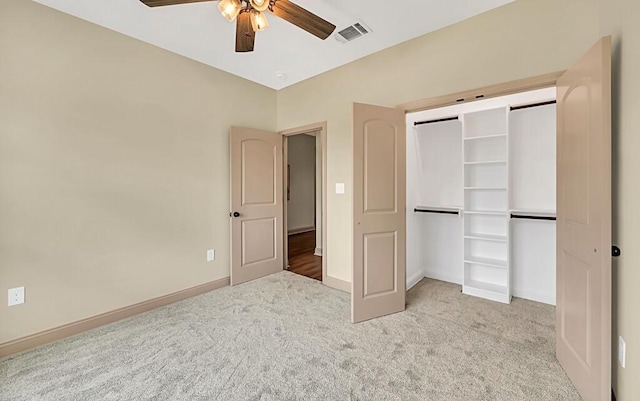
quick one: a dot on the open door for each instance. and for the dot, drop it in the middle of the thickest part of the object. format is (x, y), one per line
(256, 204)
(378, 284)
(583, 314)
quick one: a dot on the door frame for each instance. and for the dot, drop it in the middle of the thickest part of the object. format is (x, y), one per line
(306, 129)
(483, 93)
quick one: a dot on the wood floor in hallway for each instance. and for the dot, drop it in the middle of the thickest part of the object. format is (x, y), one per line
(301, 255)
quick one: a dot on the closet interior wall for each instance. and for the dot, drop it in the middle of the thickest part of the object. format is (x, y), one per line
(471, 170)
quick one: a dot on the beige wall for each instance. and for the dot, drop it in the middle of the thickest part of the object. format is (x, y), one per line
(113, 167)
(620, 19)
(522, 39)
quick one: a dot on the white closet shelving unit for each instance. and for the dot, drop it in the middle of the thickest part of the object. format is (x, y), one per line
(486, 204)
(481, 196)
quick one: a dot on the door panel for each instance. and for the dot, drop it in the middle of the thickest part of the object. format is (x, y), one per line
(258, 171)
(379, 167)
(378, 281)
(583, 327)
(258, 240)
(576, 312)
(379, 253)
(256, 194)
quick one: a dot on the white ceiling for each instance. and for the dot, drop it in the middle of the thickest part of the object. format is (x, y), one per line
(198, 31)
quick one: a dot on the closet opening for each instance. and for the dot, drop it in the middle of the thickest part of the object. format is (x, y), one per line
(481, 196)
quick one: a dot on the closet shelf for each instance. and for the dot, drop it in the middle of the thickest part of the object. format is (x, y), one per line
(486, 237)
(473, 138)
(490, 291)
(476, 260)
(499, 289)
(485, 162)
(485, 188)
(487, 212)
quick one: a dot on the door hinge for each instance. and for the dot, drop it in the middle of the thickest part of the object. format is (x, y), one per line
(615, 251)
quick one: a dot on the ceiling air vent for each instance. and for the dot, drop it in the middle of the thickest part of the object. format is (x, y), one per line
(352, 32)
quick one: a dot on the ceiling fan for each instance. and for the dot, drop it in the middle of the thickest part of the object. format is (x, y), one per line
(251, 17)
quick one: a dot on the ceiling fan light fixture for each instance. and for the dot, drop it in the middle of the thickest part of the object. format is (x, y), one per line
(259, 21)
(260, 5)
(230, 9)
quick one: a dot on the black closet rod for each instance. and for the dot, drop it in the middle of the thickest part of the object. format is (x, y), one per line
(527, 106)
(527, 216)
(416, 210)
(440, 120)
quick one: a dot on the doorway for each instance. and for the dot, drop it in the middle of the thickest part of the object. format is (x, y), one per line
(304, 212)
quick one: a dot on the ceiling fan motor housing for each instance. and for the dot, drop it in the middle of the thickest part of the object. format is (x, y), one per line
(259, 5)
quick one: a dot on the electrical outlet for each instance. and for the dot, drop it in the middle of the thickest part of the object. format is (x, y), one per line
(622, 351)
(16, 296)
(211, 255)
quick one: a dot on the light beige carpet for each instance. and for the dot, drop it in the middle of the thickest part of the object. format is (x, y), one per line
(286, 337)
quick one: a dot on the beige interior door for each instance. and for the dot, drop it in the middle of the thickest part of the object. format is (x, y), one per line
(256, 204)
(583, 327)
(378, 283)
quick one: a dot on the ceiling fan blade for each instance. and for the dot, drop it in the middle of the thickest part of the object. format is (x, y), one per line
(157, 3)
(245, 36)
(303, 19)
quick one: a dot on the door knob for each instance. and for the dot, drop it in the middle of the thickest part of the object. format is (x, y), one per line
(235, 214)
(615, 251)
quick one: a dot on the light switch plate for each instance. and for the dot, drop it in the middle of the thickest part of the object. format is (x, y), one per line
(211, 255)
(16, 296)
(339, 187)
(622, 351)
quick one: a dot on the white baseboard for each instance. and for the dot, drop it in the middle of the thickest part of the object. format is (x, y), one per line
(318, 252)
(414, 279)
(549, 299)
(300, 230)
(439, 275)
